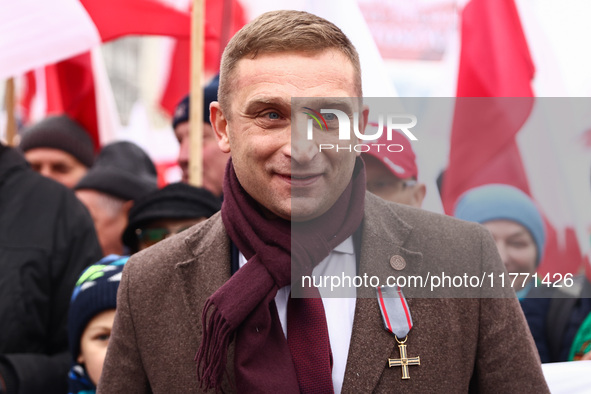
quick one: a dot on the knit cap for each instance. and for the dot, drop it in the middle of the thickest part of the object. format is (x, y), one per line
(95, 292)
(122, 169)
(503, 202)
(210, 94)
(62, 133)
(174, 201)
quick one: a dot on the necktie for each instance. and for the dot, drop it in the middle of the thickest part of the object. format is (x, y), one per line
(309, 344)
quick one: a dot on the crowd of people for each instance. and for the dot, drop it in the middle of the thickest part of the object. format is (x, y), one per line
(208, 300)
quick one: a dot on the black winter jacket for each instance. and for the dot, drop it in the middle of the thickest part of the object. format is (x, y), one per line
(46, 239)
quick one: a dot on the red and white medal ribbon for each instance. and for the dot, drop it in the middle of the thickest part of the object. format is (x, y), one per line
(395, 311)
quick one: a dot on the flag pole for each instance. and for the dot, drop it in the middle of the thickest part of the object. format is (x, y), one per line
(196, 99)
(10, 106)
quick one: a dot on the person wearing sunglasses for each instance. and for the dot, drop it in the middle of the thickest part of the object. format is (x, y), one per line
(166, 212)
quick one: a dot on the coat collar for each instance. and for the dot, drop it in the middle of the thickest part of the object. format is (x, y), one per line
(207, 269)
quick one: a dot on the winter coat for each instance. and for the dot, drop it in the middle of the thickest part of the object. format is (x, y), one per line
(47, 238)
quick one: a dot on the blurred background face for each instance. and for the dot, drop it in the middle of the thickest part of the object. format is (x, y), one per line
(384, 184)
(214, 160)
(93, 343)
(57, 165)
(516, 246)
(181, 133)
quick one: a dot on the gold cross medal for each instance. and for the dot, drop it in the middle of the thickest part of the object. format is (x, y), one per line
(398, 321)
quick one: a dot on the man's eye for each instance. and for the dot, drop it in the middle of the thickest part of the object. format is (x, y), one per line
(518, 244)
(271, 119)
(329, 116)
(61, 169)
(103, 337)
(376, 185)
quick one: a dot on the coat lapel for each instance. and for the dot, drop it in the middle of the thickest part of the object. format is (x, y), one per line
(202, 274)
(384, 234)
(208, 268)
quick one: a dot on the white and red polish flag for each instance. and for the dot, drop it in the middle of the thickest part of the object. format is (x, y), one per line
(34, 33)
(72, 84)
(494, 100)
(77, 86)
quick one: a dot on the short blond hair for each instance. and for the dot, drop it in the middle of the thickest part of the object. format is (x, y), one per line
(284, 31)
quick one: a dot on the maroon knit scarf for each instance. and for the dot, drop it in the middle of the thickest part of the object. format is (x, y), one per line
(244, 308)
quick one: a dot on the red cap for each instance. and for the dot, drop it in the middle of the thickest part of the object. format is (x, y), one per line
(402, 163)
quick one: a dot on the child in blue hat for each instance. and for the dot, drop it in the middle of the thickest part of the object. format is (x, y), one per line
(90, 320)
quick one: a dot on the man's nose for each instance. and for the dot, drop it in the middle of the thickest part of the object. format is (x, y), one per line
(184, 151)
(45, 170)
(502, 248)
(303, 148)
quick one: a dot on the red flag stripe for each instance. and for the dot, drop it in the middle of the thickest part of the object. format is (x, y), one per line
(494, 62)
(117, 18)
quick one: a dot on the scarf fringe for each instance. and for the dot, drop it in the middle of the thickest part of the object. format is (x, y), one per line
(212, 355)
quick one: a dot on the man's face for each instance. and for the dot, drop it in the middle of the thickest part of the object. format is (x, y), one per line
(57, 165)
(214, 160)
(384, 184)
(285, 172)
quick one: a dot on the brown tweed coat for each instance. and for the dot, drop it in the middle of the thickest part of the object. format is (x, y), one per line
(465, 345)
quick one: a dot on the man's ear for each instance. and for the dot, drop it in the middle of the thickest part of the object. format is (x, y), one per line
(126, 207)
(219, 122)
(418, 195)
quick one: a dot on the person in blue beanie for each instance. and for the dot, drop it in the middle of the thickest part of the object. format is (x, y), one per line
(515, 224)
(91, 315)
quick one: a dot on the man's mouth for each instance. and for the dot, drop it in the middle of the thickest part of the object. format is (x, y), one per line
(301, 179)
(303, 176)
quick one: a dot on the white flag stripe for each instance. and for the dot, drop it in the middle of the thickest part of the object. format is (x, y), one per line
(39, 104)
(109, 124)
(35, 33)
(347, 16)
